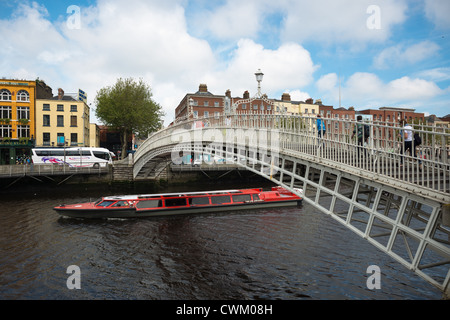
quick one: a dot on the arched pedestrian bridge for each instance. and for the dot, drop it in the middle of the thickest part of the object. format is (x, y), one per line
(396, 201)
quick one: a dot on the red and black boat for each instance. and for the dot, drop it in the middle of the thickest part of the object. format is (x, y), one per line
(133, 206)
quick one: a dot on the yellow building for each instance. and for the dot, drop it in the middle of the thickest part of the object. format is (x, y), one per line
(17, 119)
(94, 135)
(62, 120)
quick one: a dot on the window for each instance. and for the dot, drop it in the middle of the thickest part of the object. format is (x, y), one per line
(73, 121)
(5, 131)
(198, 201)
(73, 108)
(5, 112)
(121, 204)
(152, 203)
(101, 155)
(46, 107)
(306, 110)
(105, 203)
(23, 131)
(241, 197)
(255, 107)
(206, 114)
(23, 113)
(5, 95)
(60, 139)
(176, 202)
(195, 114)
(46, 138)
(74, 139)
(60, 107)
(60, 121)
(22, 95)
(46, 120)
(216, 115)
(220, 199)
(216, 104)
(206, 103)
(244, 106)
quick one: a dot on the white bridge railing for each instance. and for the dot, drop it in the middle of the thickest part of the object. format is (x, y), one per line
(381, 156)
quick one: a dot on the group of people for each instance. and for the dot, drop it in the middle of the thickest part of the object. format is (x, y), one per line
(362, 131)
(24, 159)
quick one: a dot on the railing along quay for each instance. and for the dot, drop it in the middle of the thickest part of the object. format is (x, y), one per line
(13, 171)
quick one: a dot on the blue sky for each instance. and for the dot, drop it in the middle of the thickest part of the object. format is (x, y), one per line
(374, 53)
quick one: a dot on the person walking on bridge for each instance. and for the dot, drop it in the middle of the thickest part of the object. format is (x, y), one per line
(363, 132)
(408, 145)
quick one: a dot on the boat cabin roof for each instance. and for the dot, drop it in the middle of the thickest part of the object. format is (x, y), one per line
(182, 194)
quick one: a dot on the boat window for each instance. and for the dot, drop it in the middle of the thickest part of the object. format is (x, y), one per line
(220, 199)
(152, 203)
(241, 198)
(256, 197)
(105, 203)
(121, 204)
(175, 202)
(199, 200)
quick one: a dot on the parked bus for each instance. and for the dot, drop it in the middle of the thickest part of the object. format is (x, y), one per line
(73, 156)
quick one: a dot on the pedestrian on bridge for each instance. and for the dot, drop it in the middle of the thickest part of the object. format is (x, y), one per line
(408, 145)
(321, 129)
(363, 132)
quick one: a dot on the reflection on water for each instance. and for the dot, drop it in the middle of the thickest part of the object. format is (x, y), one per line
(288, 253)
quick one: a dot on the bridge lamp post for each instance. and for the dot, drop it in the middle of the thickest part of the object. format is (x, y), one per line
(259, 76)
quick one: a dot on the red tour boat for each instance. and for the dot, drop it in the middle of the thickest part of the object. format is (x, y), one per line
(133, 206)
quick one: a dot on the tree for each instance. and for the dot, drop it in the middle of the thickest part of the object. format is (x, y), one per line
(129, 108)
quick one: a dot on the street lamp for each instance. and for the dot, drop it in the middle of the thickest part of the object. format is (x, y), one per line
(259, 76)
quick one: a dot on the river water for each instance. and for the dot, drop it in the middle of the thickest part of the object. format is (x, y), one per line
(289, 254)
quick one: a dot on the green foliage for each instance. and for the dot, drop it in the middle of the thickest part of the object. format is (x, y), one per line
(128, 107)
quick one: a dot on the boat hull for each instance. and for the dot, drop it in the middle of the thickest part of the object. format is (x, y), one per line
(133, 213)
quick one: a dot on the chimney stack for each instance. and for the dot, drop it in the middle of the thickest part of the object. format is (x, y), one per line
(203, 88)
(286, 97)
(246, 94)
(60, 94)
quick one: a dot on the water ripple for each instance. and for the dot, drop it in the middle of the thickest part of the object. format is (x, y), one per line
(288, 253)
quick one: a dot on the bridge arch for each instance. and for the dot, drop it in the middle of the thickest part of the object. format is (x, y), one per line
(400, 210)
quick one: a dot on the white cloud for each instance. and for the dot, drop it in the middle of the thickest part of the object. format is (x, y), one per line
(364, 89)
(436, 74)
(366, 86)
(400, 55)
(329, 21)
(152, 40)
(290, 66)
(437, 12)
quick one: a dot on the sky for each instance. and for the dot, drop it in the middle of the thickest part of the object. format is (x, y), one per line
(360, 53)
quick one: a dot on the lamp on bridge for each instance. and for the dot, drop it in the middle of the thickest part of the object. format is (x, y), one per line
(259, 76)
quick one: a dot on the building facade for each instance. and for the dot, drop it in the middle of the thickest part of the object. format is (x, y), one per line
(62, 121)
(17, 119)
(205, 104)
